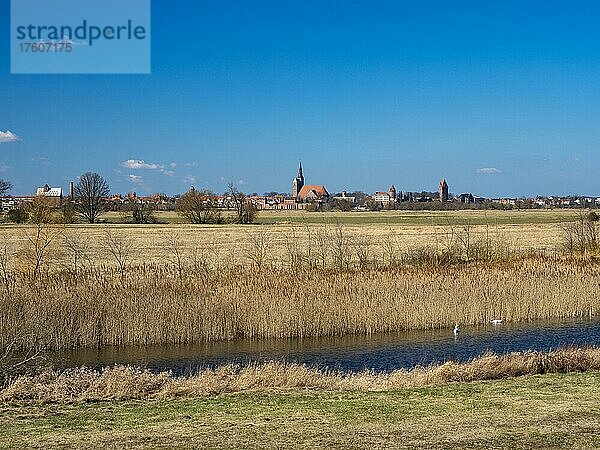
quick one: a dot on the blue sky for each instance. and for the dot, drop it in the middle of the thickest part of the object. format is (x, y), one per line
(500, 98)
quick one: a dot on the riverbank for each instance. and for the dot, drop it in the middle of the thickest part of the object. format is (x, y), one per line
(551, 410)
(130, 383)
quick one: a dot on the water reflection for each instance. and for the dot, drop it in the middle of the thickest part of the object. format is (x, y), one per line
(380, 352)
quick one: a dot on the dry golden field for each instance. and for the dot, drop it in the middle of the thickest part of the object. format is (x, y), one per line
(380, 232)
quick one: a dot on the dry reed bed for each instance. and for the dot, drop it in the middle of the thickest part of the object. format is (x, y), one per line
(153, 305)
(121, 383)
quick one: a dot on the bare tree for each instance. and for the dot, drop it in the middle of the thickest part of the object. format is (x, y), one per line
(580, 236)
(341, 249)
(322, 241)
(176, 249)
(14, 362)
(245, 211)
(199, 207)
(77, 251)
(5, 186)
(142, 212)
(41, 210)
(68, 213)
(6, 272)
(465, 239)
(39, 250)
(362, 246)
(89, 191)
(391, 249)
(293, 249)
(260, 245)
(121, 250)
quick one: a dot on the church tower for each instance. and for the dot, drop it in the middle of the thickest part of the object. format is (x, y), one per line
(298, 182)
(443, 191)
(393, 194)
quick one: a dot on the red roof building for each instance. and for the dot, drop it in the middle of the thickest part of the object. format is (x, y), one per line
(315, 192)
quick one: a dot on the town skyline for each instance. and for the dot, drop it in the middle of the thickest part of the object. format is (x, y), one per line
(318, 193)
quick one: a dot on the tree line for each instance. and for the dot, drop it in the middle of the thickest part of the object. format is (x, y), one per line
(91, 190)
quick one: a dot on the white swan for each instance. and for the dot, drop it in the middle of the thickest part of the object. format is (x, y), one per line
(496, 321)
(456, 330)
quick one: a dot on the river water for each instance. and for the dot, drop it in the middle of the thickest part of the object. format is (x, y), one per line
(379, 352)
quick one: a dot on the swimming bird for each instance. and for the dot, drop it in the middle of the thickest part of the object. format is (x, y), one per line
(456, 330)
(496, 321)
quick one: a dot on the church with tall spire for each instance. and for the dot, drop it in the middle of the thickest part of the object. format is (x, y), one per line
(298, 183)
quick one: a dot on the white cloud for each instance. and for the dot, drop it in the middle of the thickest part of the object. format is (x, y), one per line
(136, 164)
(136, 179)
(140, 164)
(8, 136)
(3, 167)
(189, 179)
(489, 170)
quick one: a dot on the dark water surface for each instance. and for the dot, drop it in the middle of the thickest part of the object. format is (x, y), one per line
(381, 352)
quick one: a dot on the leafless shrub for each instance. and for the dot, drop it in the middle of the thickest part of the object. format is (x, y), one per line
(200, 259)
(363, 249)
(121, 249)
(7, 273)
(40, 250)
(340, 249)
(293, 249)
(23, 354)
(259, 248)
(322, 239)
(40, 210)
(391, 249)
(580, 236)
(78, 252)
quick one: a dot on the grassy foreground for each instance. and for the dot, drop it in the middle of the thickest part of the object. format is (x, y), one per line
(555, 410)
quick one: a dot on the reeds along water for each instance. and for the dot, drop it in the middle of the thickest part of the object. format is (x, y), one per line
(327, 291)
(154, 305)
(121, 383)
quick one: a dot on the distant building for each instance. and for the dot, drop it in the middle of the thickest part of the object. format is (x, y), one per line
(385, 198)
(381, 197)
(469, 198)
(308, 193)
(55, 194)
(443, 191)
(345, 197)
(313, 193)
(298, 183)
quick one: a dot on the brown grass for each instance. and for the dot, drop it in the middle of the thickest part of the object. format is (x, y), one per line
(120, 383)
(156, 305)
(233, 243)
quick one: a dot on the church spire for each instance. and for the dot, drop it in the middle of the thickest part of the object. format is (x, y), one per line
(298, 182)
